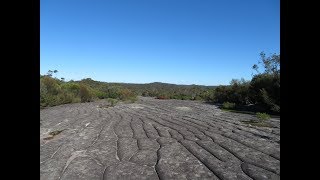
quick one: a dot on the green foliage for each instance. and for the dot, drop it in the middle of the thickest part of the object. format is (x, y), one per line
(145, 93)
(265, 91)
(114, 92)
(49, 92)
(173, 91)
(269, 101)
(43, 90)
(270, 64)
(125, 94)
(180, 96)
(262, 116)
(112, 101)
(228, 105)
(133, 99)
(258, 124)
(208, 95)
(100, 94)
(265, 87)
(197, 98)
(222, 94)
(71, 87)
(85, 94)
(237, 92)
(55, 92)
(240, 91)
(51, 85)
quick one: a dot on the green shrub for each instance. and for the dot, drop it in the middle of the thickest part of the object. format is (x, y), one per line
(50, 100)
(208, 95)
(133, 99)
(84, 93)
(71, 87)
(263, 116)
(112, 101)
(145, 93)
(43, 93)
(197, 98)
(126, 94)
(76, 100)
(228, 105)
(100, 94)
(222, 94)
(269, 102)
(186, 97)
(265, 91)
(55, 92)
(237, 92)
(113, 92)
(65, 98)
(51, 85)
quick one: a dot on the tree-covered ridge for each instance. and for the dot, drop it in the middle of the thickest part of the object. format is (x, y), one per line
(261, 92)
(54, 91)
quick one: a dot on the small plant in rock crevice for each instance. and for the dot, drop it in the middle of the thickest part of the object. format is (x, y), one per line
(262, 116)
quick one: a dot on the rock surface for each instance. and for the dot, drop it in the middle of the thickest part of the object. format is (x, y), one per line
(155, 139)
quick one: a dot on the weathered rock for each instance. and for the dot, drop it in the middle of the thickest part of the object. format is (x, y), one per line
(129, 170)
(145, 157)
(175, 162)
(155, 140)
(127, 147)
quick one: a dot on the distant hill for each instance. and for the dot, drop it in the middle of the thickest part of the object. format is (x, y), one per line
(153, 84)
(156, 89)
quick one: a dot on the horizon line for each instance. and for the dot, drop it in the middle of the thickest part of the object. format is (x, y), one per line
(133, 82)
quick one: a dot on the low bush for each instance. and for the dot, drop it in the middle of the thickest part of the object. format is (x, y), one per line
(228, 105)
(84, 93)
(112, 101)
(262, 116)
(55, 92)
(133, 99)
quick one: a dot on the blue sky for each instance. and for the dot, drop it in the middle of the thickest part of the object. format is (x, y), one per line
(206, 42)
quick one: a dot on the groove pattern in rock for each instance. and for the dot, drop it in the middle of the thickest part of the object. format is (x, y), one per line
(155, 139)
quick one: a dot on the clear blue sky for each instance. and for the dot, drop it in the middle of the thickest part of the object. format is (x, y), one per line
(205, 42)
